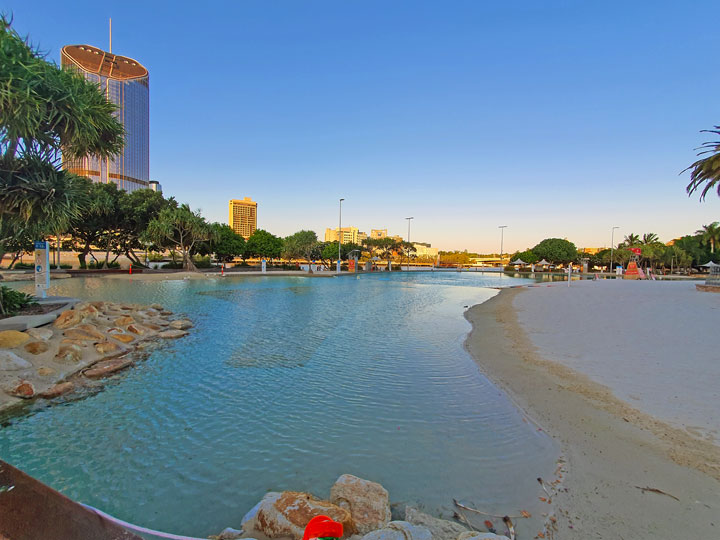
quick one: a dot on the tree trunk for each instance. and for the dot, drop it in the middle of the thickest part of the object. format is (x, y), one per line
(188, 263)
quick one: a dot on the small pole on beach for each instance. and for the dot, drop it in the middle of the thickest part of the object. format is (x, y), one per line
(502, 231)
(408, 254)
(339, 238)
(612, 247)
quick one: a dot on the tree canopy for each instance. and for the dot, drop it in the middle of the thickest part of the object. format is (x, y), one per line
(556, 250)
(227, 244)
(705, 172)
(264, 244)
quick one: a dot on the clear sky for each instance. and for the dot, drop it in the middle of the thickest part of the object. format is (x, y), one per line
(559, 118)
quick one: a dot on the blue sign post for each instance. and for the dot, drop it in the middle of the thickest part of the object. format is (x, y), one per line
(42, 268)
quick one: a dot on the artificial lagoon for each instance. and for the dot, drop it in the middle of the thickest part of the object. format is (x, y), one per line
(285, 383)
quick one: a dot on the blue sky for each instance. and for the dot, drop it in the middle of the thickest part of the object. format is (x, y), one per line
(555, 118)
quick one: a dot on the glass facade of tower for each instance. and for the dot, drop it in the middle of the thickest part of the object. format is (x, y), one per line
(126, 84)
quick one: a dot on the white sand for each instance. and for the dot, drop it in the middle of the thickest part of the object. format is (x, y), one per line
(653, 344)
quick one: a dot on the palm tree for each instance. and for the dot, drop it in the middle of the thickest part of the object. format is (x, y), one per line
(706, 170)
(710, 234)
(650, 238)
(630, 240)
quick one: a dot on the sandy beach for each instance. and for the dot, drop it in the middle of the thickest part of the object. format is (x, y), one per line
(623, 375)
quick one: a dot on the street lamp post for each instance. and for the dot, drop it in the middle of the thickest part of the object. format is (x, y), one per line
(339, 236)
(502, 231)
(612, 247)
(408, 255)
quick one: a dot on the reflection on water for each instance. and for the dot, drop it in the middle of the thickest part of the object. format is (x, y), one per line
(286, 383)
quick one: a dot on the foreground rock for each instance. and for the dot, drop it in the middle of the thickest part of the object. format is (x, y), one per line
(441, 529)
(91, 338)
(400, 530)
(473, 535)
(286, 514)
(368, 502)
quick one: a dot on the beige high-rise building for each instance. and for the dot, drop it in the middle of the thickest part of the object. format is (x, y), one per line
(349, 235)
(378, 233)
(243, 216)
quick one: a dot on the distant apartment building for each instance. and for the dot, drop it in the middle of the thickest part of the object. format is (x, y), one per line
(425, 250)
(126, 84)
(378, 233)
(243, 216)
(348, 235)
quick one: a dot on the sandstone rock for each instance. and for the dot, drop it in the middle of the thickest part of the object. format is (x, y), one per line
(68, 319)
(103, 369)
(287, 513)
(58, 390)
(136, 329)
(100, 306)
(37, 347)
(9, 361)
(230, 534)
(125, 338)
(92, 330)
(400, 530)
(472, 535)
(368, 502)
(107, 347)
(152, 326)
(157, 307)
(441, 529)
(172, 334)
(124, 321)
(12, 338)
(23, 389)
(115, 330)
(166, 313)
(78, 342)
(44, 371)
(69, 352)
(181, 324)
(86, 310)
(41, 334)
(81, 335)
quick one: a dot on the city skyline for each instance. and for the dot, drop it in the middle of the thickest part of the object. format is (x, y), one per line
(559, 121)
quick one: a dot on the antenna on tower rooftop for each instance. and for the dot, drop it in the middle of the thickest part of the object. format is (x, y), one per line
(110, 35)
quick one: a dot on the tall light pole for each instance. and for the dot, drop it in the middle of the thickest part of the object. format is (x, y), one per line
(502, 231)
(612, 247)
(339, 236)
(408, 256)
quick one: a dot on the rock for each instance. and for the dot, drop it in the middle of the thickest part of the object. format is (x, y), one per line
(106, 347)
(287, 513)
(125, 338)
(172, 334)
(166, 313)
(441, 529)
(78, 342)
(181, 324)
(368, 502)
(82, 335)
(58, 390)
(103, 369)
(37, 347)
(124, 321)
(41, 334)
(92, 330)
(86, 310)
(23, 389)
(472, 535)
(153, 327)
(136, 329)
(68, 319)
(9, 361)
(44, 371)
(115, 330)
(157, 307)
(230, 534)
(69, 352)
(12, 338)
(400, 530)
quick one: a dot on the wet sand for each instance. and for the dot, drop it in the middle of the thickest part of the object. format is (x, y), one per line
(611, 447)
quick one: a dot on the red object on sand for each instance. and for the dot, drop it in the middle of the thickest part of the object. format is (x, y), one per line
(322, 527)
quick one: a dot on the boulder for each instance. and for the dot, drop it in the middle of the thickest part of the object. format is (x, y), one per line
(230, 534)
(472, 535)
(81, 335)
(181, 324)
(400, 530)
(37, 347)
(69, 352)
(92, 330)
(12, 338)
(9, 361)
(78, 342)
(86, 310)
(125, 338)
(124, 320)
(136, 329)
(58, 390)
(172, 334)
(23, 389)
(45, 371)
(287, 513)
(157, 307)
(41, 334)
(103, 369)
(166, 313)
(107, 347)
(68, 319)
(441, 529)
(153, 327)
(368, 502)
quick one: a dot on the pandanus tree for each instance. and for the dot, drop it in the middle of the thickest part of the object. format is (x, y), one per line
(46, 113)
(705, 172)
(710, 234)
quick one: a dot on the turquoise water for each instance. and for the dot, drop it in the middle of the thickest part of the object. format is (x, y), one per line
(286, 383)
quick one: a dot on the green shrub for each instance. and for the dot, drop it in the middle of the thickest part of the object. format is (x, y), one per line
(203, 262)
(66, 266)
(13, 301)
(172, 266)
(99, 264)
(23, 266)
(243, 264)
(156, 257)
